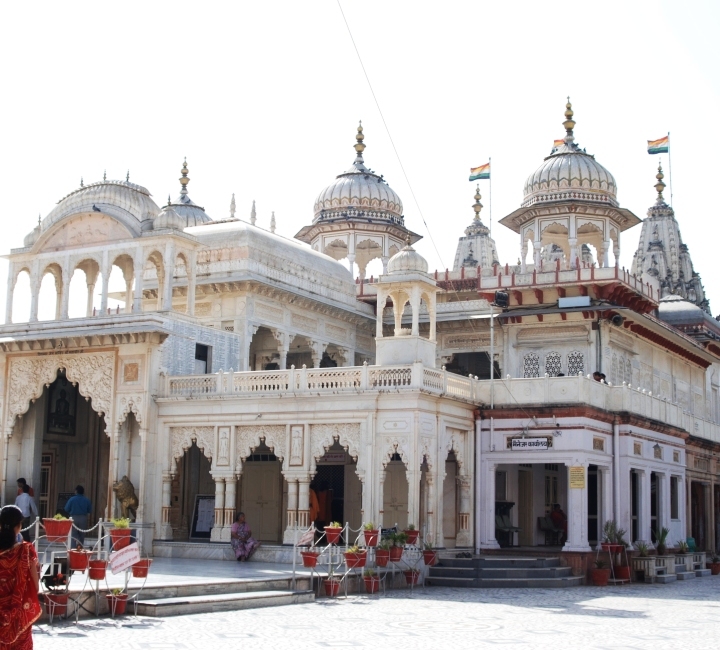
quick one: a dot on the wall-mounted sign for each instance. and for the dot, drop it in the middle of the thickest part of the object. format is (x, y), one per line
(524, 444)
(333, 457)
(577, 478)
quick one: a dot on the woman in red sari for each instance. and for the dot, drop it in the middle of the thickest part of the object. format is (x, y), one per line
(19, 606)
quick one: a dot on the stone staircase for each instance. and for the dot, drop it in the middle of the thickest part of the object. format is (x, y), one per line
(496, 571)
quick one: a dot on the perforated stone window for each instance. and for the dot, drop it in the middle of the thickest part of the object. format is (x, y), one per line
(637, 448)
(531, 365)
(576, 363)
(553, 364)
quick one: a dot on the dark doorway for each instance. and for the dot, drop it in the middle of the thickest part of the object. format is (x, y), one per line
(654, 503)
(472, 363)
(593, 505)
(634, 505)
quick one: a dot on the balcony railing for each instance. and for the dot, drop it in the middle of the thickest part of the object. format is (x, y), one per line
(539, 391)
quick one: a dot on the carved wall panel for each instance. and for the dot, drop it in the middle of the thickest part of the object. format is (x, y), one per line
(93, 373)
(248, 438)
(131, 404)
(181, 439)
(322, 437)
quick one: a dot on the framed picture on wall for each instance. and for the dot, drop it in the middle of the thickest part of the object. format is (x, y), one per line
(203, 516)
(62, 403)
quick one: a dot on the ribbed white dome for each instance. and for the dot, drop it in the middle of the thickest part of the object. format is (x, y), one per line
(169, 218)
(408, 260)
(359, 193)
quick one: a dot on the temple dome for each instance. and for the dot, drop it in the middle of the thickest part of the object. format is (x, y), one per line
(169, 218)
(359, 192)
(191, 213)
(569, 173)
(408, 260)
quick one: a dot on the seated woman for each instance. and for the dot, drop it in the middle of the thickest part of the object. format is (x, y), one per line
(241, 539)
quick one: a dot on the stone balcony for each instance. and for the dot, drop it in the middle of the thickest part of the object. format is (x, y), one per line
(509, 392)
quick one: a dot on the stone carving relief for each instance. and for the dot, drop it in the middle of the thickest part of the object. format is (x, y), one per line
(323, 436)
(296, 444)
(335, 332)
(181, 439)
(396, 445)
(203, 309)
(92, 372)
(130, 404)
(267, 312)
(455, 441)
(304, 323)
(223, 446)
(85, 231)
(248, 438)
(427, 450)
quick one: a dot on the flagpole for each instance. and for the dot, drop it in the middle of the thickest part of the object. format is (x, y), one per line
(670, 169)
(490, 193)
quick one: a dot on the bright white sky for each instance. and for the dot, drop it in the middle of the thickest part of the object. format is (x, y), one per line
(263, 98)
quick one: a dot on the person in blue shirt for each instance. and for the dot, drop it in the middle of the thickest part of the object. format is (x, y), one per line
(78, 507)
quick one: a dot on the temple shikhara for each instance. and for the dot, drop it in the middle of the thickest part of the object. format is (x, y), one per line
(242, 370)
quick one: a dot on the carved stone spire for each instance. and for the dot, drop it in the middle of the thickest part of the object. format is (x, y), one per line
(272, 222)
(253, 214)
(184, 180)
(232, 207)
(477, 242)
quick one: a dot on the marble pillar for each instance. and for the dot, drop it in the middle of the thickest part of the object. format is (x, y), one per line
(216, 532)
(165, 531)
(577, 514)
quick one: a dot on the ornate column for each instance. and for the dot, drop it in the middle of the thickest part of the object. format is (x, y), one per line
(415, 307)
(382, 474)
(284, 339)
(536, 256)
(216, 532)
(607, 511)
(59, 295)
(128, 295)
(573, 252)
(229, 509)
(106, 269)
(464, 537)
(90, 297)
(317, 348)
(292, 511)
(385, 259)
(11, 280)
(169, 272)
(487, 506)
(381, 300)
(606, 253)
(523, 254)
(303, 513)
(351, 264)
(398, 309)
(191, 278)
(138, 270)
(165, 531)
(577, 514)
(430, 512)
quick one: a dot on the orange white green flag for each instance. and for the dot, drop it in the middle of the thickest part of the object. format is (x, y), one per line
(480, 173)
(659, 146)
(558, 143)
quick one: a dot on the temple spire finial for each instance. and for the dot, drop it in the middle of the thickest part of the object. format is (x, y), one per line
(127, 176)
(272, 222)
(184, 180)
(660, 186)
(232, 206)
(82, 182)
(477, 206)
(359, 144)
(253, 214)
(105, 174)
(569, 123)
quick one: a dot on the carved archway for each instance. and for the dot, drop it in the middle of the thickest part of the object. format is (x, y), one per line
(182, 438)
(93, 373)
(247, 439)
(323, 436)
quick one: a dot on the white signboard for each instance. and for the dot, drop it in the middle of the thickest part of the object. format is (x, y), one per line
(523, 444)
(124, 558)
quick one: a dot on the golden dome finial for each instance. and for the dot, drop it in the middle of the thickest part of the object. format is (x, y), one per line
(477, 206)
(359, 145)
(184, 180)
(569, 123)
(660, 186)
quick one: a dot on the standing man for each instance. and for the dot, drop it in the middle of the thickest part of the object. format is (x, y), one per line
(20, 483)
(27, 505)
(79, 507)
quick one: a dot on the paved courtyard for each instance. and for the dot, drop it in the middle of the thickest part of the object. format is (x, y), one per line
(676, 616)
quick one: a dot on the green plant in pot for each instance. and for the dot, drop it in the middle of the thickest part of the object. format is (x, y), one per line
(661, 535)
(398, 542)
(600, 574)
(120, 533)
(682, 547)
(713, 563)
(371, 534)
(371, 580)
(642, 548)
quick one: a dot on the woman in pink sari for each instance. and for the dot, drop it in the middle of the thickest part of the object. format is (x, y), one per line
(241, 539)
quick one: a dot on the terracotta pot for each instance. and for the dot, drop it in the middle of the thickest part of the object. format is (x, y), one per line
(117, 604)
(309, 559)
(371, 537)
(382, 556)
(396, 553)
(372, 584)
(120, 538)
(57, 530)
(714, 567)
(332, 587)
(622, 572)
(332, 534)
(97, 569)
(612, 548)
(78, 560)
(412, 536)
(430, 558)
(140, 569)
(600, 577)
(412, 577)
(55, 604)
(356, 560)
(661, 550)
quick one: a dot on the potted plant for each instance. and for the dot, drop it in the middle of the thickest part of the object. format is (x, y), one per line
(332, 532)
(371, 534)
(120, 534)
(411, 534)
(117, 602)
(398, 542)
(355, 558)
(661, 540)
(78, 559)
(56, 597)
(382, 553)
(682, 547)
(640, 562)
(141, 567)
(714, 563)
(372, 582)
(58, 528)
(429, 555)
(412, 576)
(622, 571)
(331, 584)
(310, 558)
(97, 569)
(600, 574)
(612, 536)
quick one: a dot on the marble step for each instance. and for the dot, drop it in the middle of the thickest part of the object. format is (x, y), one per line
(664, 579)
(221, 602)
(685, 575)
(539, 583)
(702, 573)
(489, 562)
(501, 572)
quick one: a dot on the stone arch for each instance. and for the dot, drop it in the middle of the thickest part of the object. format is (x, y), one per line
(182, 438)
(93, 373)
(55, 271)
(155, 265)
(337, 249)
(130, 404)
(323, 436)
(395, 445)
(22, 290)
(455, 442)
(248, 438)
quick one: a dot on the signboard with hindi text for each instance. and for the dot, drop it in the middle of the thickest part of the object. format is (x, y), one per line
(124, 558)
(577, 478)
(529, 444)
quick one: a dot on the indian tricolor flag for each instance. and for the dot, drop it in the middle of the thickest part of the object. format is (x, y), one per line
(480, 173)
(659, 146)
(558, 143)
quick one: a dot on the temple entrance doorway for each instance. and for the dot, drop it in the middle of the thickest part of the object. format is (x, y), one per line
(450, 501)
(261, 493)
(194, 485)
(698, 518)
(395, 494)
(336, 490)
